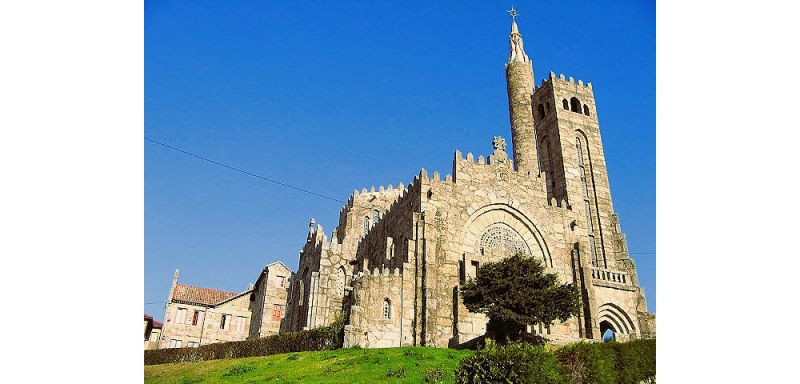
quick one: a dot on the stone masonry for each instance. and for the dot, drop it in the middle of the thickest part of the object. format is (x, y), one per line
(393, 266)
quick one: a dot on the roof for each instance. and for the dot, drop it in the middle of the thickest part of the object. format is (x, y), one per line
(275, 263)
(281, 263)
(157, 324)
(200, 295)
(147, 316)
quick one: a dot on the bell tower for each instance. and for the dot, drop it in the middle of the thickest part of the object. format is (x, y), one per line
(519, 81)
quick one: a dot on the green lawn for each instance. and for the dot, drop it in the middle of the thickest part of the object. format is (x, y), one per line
(392, 365)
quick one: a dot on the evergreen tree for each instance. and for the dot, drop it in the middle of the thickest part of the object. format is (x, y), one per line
(515, 292)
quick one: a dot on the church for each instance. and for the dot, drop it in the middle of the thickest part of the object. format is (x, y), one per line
(393, 266)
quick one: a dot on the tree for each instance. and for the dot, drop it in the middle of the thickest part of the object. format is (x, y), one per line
(515, 292)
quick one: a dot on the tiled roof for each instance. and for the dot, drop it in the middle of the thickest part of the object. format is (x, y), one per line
(147, 316)
(200, 295)
(156, 324)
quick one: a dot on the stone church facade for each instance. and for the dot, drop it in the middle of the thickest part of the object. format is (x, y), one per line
(394, 265)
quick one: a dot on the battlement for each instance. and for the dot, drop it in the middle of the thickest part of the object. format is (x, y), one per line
(570, 82)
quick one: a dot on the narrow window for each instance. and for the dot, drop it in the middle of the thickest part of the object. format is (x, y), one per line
(195, 317)
(576, 104)
(566, 104)
(580, 150)
(387, 308)
(341, 281)
(241, 322)
(279, 281)
(276, 312)
(589, 224)
(586, 110)
(180, 317)
(475, 265)
(375, 216)
(461, 271)
(302, 292)
(366, 225)
(174, 343)
(583, 182)
(223, 323)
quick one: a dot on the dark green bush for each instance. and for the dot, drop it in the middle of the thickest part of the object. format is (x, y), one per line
(634, 361)
(515, 363)
(583, 363)
(317, 339)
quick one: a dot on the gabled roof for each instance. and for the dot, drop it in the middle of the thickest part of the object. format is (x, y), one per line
(281, 263)
(199, 295)
(274, 263)
(157, 324)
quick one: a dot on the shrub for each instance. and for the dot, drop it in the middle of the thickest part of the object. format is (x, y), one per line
(434, 375)
(239, 370)
(330, 337)
(514, 363)
(634, 361)
(398, 372)
(585, 363)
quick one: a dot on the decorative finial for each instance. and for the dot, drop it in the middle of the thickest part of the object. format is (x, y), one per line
(499, 143)
(513, 12)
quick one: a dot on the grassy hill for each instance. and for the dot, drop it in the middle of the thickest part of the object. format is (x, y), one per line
(392, 365)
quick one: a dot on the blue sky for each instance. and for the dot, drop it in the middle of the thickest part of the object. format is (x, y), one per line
(333, 96)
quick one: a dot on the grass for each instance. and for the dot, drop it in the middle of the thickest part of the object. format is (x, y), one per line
(390, 365)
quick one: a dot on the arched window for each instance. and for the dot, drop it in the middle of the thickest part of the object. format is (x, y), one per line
(541, 111)
(566, 104)
(387, 308)
(366, 224)
(375, 216)
(576, 104)
(586, 110)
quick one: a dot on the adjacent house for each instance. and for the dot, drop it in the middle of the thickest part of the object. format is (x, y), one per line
(197, 315)
(152, 332)
(268, 300)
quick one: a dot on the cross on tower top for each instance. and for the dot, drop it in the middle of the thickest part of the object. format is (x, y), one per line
(513, 12)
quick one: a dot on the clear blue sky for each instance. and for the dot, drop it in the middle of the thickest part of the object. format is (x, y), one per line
(332, 96)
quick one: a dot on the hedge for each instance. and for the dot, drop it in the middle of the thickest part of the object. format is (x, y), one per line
(317, 339)
(582, 363)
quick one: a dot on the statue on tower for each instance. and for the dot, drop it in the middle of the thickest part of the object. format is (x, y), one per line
(517, 50)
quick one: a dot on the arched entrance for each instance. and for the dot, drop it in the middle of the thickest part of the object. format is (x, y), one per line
(614, 322)
(607, 331)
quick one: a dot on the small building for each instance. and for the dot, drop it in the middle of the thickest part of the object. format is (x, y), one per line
(269, 300)
(197, 316)
(152, 332)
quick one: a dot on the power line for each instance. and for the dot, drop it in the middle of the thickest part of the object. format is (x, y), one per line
(276, 181)
(243, 171)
